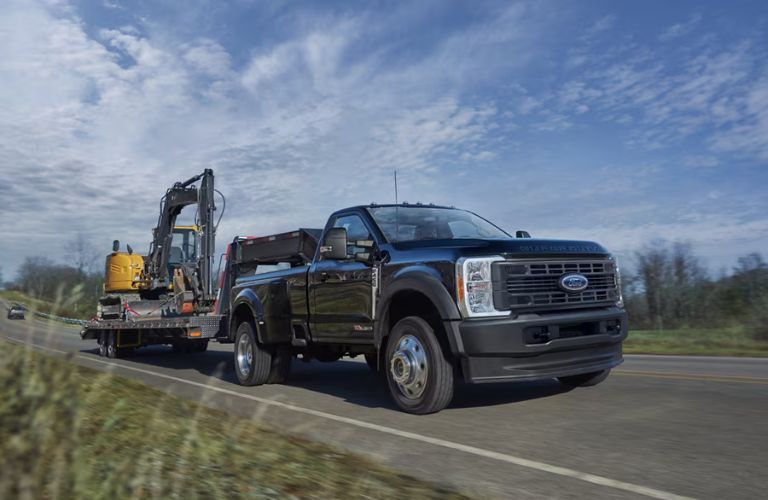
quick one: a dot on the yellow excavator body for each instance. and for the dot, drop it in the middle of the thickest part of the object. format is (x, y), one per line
(124, 271)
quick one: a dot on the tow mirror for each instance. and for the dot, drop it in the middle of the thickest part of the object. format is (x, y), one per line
(335, 244)
(116, 246)
(522, 234)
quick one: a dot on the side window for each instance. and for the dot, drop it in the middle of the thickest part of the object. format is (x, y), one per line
(356, 230)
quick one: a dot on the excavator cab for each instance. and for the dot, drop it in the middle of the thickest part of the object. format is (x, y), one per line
(184, 246)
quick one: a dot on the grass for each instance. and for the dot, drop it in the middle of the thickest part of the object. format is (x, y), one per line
(72, 432)
(728, 341)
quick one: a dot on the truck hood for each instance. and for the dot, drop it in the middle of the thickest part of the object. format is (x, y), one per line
(511, 247)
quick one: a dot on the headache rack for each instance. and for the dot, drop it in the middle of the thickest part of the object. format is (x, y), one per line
(533, 284)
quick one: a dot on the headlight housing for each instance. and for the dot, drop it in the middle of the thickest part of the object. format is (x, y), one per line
(474, 287)
(620, 301)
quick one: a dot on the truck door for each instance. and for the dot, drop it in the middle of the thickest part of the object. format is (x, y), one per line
(341, 291)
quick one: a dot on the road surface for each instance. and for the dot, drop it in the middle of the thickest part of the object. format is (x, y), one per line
(660, 427)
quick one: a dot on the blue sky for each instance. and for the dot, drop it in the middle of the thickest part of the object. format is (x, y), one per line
(621, 122)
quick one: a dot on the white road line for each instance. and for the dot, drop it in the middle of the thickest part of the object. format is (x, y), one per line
(502, 457)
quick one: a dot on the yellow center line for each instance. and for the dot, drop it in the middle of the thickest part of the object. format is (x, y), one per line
(694, 376)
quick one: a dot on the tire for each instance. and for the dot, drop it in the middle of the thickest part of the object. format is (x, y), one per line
(281, 365)
(180, 347)
(112, 351)
(253, 362)
(372, 361)
(585, 379)
(419, 372)
(103, 344)
(200, 345)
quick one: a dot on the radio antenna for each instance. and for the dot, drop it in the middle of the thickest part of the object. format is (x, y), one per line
(397, 214)
(395, 187)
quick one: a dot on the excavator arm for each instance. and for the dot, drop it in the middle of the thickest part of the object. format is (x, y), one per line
(176, 198)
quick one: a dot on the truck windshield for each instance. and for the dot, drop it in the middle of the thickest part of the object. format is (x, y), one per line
(432, 223)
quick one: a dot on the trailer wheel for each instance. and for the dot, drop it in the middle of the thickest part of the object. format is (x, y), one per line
(103, 344)
(253, 362)
(201, 345)
(585, 379)
(112, 351)
(419, 373)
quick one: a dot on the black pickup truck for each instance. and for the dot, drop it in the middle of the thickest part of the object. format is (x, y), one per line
(427, 294)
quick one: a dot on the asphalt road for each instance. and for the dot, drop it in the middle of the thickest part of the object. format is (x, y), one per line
(663, 427)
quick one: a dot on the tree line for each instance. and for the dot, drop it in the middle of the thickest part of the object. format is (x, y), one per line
(669, 288)
(74, 287)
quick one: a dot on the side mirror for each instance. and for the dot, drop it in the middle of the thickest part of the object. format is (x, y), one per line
(130, 250)
(116, 246)
(335, 245)
(522, 234)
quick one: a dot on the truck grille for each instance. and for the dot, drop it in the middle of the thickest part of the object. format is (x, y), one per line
(534, 285)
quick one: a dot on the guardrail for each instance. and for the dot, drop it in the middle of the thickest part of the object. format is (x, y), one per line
(53, 317)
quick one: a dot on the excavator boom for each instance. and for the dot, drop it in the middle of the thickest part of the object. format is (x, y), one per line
(178, 196)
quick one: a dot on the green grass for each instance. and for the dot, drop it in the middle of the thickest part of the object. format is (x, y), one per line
(729, 341)
(71, 432)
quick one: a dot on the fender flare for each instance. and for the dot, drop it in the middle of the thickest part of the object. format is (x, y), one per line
(248, 298)
(428, 282)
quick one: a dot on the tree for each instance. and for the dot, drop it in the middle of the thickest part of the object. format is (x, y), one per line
(674, 284)
(81, 254)
(652, 266)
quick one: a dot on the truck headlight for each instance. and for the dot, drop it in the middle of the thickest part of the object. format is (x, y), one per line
(474, 287)
(620, 302)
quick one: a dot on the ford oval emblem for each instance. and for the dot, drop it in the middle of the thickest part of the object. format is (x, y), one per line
(573, 282)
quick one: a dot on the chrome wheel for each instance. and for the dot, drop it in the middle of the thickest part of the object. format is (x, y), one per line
(408, 366)
(244, 355)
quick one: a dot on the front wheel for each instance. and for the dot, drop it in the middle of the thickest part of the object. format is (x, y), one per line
(419, 372)
(585, 379)
(252, 360)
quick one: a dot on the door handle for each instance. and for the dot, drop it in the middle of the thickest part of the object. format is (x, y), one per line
(323, 277)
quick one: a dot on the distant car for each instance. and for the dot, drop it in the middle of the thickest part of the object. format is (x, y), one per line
(16, 312)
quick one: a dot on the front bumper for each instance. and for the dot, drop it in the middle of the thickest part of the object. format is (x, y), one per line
(534, 346)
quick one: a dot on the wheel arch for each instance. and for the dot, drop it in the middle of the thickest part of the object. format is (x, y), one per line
(417, 291)
(246, 307)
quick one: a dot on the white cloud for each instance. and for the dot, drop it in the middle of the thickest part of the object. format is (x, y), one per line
(93, 129)
(680, 29)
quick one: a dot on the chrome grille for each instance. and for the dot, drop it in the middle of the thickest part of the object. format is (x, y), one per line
(533, 285)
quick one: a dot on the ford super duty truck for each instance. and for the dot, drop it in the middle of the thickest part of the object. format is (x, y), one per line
(426, 294)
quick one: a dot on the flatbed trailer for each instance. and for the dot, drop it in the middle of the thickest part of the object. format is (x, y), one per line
(184, 333)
